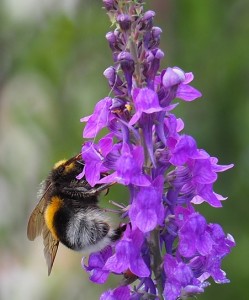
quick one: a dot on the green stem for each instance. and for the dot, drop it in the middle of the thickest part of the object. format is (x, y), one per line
(156, 261)
(133, 50)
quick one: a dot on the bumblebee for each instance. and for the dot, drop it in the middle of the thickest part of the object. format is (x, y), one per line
(68, 212)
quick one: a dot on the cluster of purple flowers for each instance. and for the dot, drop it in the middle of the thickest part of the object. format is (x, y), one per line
(168, 247)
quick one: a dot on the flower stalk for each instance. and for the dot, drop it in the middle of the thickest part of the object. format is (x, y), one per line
(156, 261)
(168, 247)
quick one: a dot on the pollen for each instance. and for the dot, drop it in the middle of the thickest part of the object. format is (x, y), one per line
(128, 107)
(50, 211)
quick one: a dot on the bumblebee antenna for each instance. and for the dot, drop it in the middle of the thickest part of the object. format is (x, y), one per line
(75, 158)
(80, 162)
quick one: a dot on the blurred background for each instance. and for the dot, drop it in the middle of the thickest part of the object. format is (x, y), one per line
(52, 56)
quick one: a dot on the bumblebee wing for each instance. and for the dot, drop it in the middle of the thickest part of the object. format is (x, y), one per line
(50, 247)
(36, 220)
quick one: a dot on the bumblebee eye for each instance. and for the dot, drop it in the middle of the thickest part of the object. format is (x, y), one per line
(61, 169)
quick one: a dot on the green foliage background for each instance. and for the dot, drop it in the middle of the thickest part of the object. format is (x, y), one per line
(52, 56)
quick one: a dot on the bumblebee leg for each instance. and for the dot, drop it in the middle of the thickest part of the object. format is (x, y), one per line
(118, 232)
(100, 188)
(89, 193)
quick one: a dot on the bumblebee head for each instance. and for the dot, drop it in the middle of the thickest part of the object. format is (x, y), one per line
(66, 169)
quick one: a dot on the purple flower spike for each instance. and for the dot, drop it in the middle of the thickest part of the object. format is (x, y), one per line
(161, 166)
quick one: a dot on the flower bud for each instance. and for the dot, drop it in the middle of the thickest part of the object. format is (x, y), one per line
(156, 32)
(115, 40)
(110, 4)
(124, 21)
(127, 65)
(114, 80)
(147, 20)
(152, 65)
(111, 38)
(172, 77)
(155, 36)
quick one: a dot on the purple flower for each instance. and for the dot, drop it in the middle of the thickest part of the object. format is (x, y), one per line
(96, 262)
(183, 149)
(173, 126)
(180, 280)
(99, 119)
(207, 240)
(147, 210)
(172, 77)
(120, 293)
(128, 167)
(195, 180)
(194, 237)
(93, 156)
(210, 265)
(203, 173)
(175, 78)
(168, 127)
(145, 101)
(128, 255)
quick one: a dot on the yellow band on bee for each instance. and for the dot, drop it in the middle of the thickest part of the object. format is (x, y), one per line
(50, 211)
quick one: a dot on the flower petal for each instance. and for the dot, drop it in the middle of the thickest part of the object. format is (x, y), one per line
(187, 92)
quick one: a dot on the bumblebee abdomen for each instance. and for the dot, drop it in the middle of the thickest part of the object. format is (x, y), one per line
(80, 228)
(84, 229)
